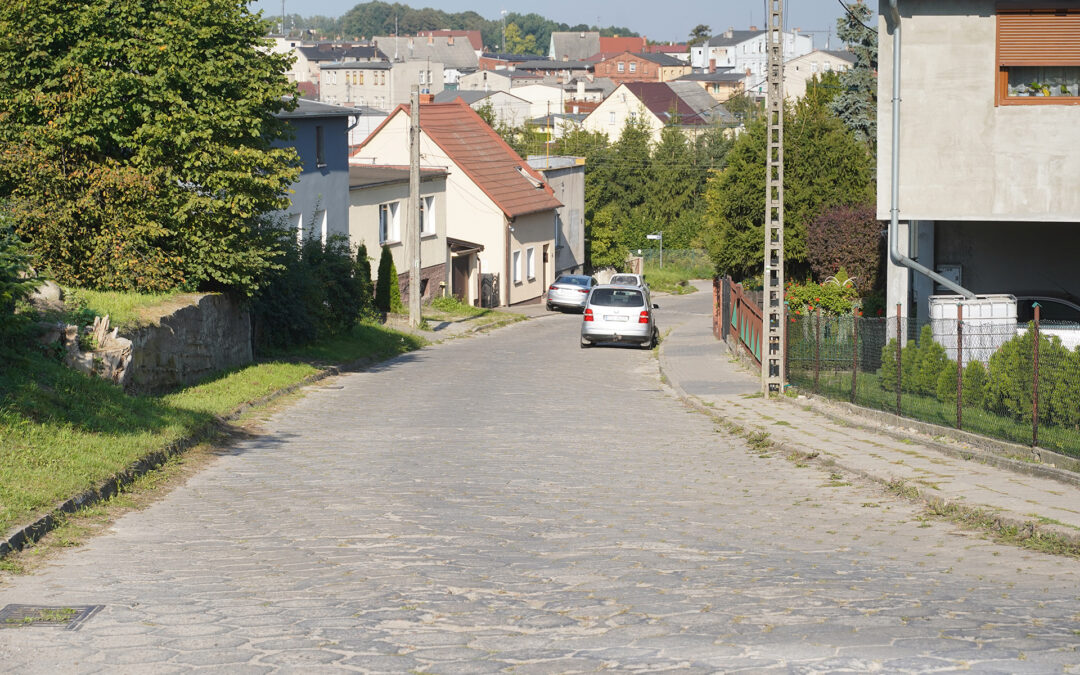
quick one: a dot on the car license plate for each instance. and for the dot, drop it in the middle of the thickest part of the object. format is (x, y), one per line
(614, 317)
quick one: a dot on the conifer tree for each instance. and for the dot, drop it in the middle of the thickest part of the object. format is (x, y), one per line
(387, 291)
(856, 102)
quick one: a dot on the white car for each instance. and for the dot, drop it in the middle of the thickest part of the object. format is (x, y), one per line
(619, 314)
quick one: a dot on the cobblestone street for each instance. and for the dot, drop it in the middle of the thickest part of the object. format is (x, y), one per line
(510, 502)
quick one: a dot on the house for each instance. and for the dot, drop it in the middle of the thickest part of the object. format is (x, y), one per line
(455, 54)
(320, 198)
(378, 84)
(494, 199)
(378, 206)
(555, 71)
(497, 80)
(801, 69)
(573, 46)
(618, 44)
(475, 37)
(543, 99)
(660, 104)
(556, 125)
(366, 121)
(721, 84)
(583, 95)
(509, 110)
(500, 61)
(631, 67)
(566, 176)
(679, 51)
(745, 51)
(311, 58)
(986, 183)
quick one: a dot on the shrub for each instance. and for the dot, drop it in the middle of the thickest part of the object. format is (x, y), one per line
(362, 273)
(922, 365)
(14, 262)
(887, 373)
(834, 299)
(387, 290)
(930, 362)
(846, 237)
(974, 384)
(946, 383)
(1009, 381)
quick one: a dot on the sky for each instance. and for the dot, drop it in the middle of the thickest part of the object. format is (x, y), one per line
(646, 17)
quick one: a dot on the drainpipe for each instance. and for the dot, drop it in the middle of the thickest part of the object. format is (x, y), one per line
(895, 255)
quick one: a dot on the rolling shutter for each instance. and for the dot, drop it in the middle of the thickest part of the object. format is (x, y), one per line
(1038, 37)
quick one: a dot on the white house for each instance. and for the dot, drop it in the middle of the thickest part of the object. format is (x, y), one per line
(745, 51)
(494, 200)
(801, 69)
(509, 110)
(660, 104)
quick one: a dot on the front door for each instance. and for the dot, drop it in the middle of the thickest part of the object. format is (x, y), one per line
(459, 278)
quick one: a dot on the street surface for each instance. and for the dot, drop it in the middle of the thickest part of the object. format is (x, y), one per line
(511, 502)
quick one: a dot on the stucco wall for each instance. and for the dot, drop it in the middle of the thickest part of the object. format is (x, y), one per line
(533, 232)
(192, 343)
(364, 221)
(962, 157)
(569, 187)
(321, 188)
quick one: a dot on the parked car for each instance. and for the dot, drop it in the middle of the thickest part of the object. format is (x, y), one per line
(619, 314)
(569, 290)
(625, 279)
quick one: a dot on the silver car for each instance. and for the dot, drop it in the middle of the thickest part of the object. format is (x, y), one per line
(569, 291)
(619, 314)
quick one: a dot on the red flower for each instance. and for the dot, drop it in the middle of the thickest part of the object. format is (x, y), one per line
(880, 311)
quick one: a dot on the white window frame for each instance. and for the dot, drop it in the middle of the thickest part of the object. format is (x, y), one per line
(633, 66)
(427, 215)
(621, 67)
(389, 223)
(530, 263)
(611, 117)
(516, 268)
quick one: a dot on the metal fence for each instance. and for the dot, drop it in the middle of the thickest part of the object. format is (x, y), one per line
(988, 376)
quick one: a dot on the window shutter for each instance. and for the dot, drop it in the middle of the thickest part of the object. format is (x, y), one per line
(1038, 37)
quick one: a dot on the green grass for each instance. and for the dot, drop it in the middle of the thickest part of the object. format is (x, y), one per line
(62, 433)
(673, 277)
(125, 309)
(451, 305)
(870, 394)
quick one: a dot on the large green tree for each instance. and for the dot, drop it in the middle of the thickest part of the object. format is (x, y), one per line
(856, 102)
(824, 165)
(136, 140)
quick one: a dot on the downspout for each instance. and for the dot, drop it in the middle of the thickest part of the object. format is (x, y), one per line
(895, 255)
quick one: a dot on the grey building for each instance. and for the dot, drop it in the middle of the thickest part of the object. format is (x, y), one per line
(378, 84)
(566, 176)
(320, 198)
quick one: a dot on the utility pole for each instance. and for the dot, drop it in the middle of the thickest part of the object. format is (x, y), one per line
(412, 247)
(772, 357)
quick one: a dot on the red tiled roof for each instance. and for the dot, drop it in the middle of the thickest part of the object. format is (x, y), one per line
(661, 99)
(622, 44)
(484, 157)
(666, 49)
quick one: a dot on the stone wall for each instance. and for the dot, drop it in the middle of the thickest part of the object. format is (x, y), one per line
(210, 335)
(430, 277)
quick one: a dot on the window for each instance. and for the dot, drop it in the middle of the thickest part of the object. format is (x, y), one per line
(517, 267)
(633, 66)
(622, 66)
(427, 215)
(423, 77)
(813, 67)
(361, 77)
(320, 146)
(530, 263)
(389, 223)
(320, 224)
(1038, 56)
(827, 65)
(611, 117)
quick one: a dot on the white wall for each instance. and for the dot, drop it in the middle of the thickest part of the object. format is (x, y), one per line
(611, 115)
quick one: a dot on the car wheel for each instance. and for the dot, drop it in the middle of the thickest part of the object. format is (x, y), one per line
(651, 341)
(551, 307)
(585, 344)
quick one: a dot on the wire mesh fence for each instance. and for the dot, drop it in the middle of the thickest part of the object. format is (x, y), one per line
(988, 376)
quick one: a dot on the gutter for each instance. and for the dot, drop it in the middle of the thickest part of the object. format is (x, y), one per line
(895, 255)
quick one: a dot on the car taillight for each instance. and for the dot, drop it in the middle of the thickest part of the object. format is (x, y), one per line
(643, 317)
(552, 287)
(583, 290)
(588, 315)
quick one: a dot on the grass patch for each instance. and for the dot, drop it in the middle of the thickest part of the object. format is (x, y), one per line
(451, 305)
(674, 278)
(126, 310)
(62, 433)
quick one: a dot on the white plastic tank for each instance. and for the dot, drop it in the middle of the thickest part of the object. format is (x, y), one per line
(989, 322)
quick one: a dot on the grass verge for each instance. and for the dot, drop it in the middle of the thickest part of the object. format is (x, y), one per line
(675, 278)
(62, 433)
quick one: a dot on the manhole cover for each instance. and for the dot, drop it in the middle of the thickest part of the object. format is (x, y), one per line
(63, 616)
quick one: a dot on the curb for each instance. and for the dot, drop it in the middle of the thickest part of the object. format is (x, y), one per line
(20, 537)
(1001, 523)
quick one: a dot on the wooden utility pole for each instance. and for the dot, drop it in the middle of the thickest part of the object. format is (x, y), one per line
(773, 317)
(412, 247)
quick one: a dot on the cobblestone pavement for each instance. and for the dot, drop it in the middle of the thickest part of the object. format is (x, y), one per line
(510, 502)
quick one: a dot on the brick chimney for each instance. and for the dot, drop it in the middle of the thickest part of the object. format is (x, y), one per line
(754, 28)
(427, 98)
(729, 33)
(712, 65)
(450, 41)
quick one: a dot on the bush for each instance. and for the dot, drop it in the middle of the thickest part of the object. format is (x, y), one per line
(846, 237)
(930, 362)
(922, 365)
(14, 262)
(362, 273)
(387, 290)
(834, 299)
(1009, 381)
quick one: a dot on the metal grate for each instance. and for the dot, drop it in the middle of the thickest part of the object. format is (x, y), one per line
(69, 617)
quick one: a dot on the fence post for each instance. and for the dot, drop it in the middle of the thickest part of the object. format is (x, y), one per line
(899, 371)
(854, 353)
(959, 366)
(1035, 385)
(817, 346)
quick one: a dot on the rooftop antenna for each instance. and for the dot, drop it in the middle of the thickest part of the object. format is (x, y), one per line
(283, 18)
(395, 39)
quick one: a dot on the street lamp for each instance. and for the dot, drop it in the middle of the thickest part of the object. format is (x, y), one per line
(660, 237)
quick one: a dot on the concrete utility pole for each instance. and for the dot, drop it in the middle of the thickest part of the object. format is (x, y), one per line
(412, 247)
(772, 356)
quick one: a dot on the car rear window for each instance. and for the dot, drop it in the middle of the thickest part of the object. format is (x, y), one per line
(616, 297)
(574, 281)
(624, 279)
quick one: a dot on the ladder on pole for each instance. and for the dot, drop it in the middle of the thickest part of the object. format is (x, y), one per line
(772, 351)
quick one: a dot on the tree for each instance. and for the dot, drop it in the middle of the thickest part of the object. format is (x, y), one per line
(387, 290)
(849, 237)
(138, 141)
(698, 35)
(14, 264)
(823, 166)
(517, 43)
(364, 287)
(673, 179)
(856, 103)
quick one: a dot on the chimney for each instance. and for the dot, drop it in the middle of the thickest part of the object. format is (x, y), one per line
(729, 33)
(712, 65)
(431, 39)
(427, 98)
(580, 89)
(450, 41)
(753, 28)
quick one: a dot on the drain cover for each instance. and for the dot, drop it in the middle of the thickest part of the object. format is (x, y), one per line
(61, 616)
